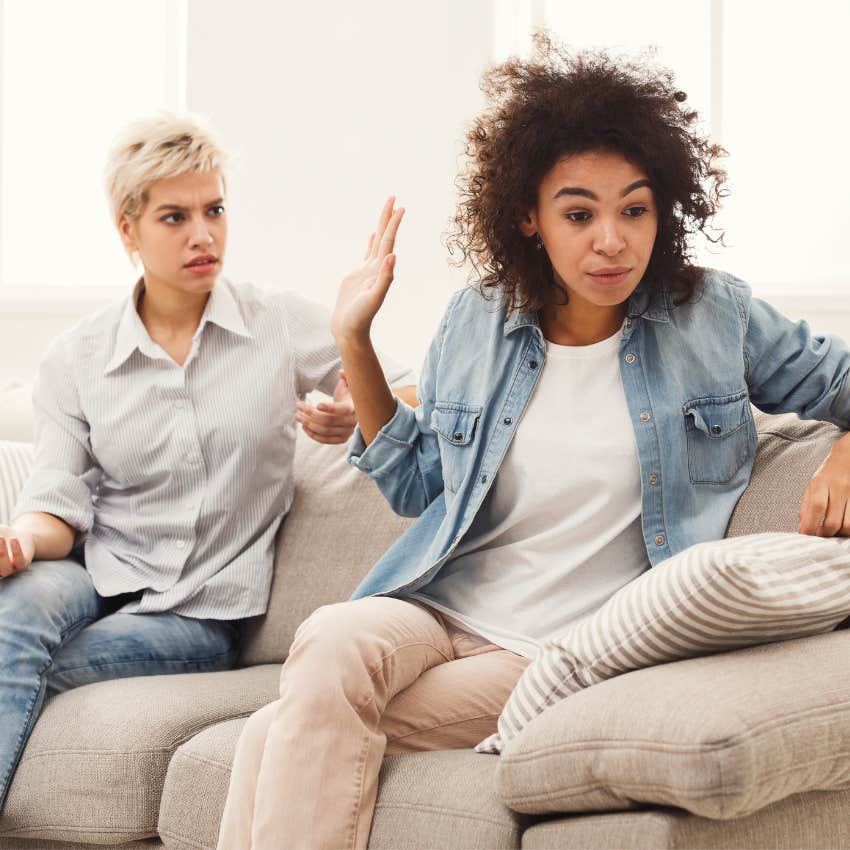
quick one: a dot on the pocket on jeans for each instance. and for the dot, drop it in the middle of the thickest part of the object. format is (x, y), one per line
(719, 432)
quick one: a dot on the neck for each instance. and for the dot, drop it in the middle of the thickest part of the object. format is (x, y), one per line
(163, 308)
(580, 323)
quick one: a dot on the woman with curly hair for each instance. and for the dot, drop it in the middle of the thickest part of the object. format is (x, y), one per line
(584, 415)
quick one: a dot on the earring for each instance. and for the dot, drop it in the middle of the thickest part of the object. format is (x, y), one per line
(538, 242)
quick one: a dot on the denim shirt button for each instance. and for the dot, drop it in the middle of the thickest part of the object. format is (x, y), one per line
(484, 479)
(457, 436)
(716, 429)
(507, 420)
(644, 417)
(653, 479)
(630, 358)
(532, 364)
(659, 539)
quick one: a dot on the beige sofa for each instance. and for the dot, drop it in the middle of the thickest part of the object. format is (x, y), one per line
(741, 750)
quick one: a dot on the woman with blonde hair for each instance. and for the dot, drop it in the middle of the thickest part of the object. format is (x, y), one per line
(164, 441)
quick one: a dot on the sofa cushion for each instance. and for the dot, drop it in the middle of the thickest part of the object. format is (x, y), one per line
(338, 526)
(94, 767)
(810, 821)
(721, 736)
(722, 594)
(15, 465)
(15, 410)
(790, 450)
(431, 799)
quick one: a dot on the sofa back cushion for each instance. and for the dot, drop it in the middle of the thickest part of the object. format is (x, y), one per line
(790, 450)
(338, 527)
(15, 410)
(15, 465)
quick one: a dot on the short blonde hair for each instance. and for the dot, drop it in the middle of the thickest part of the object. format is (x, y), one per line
(157, 148)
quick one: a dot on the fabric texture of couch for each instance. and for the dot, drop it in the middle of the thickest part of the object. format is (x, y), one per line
(746, 748)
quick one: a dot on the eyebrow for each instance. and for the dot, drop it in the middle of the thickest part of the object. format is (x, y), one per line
(586, 193)
(178, 208)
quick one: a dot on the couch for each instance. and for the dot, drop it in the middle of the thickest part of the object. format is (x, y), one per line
(745, 749)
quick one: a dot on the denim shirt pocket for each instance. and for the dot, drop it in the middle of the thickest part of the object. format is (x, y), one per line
(456, 424)
(719, 436)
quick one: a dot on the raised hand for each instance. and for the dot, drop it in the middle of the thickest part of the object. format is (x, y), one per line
(329, 422)
(362, 292)
(17, 549)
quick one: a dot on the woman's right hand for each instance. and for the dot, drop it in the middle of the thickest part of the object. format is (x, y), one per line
(17, 549)
(362, 292)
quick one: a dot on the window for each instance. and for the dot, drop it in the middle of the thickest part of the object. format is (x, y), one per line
(770, 82)
(66, 89)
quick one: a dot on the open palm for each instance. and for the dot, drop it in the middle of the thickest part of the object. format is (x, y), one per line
(362, 292)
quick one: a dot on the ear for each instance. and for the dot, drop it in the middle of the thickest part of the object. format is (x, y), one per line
(527, 223)
(127, 232)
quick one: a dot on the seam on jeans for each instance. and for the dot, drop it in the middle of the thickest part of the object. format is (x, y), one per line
(208, 659)
(358, 780)
(396, 649)
(442, 726)
(20, 744)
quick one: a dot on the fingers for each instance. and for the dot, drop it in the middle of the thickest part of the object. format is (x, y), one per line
(12, 558)
(383, 220)
(818, 516)
(388, 239)
(384, 278)
(328, 420)
(369, 247)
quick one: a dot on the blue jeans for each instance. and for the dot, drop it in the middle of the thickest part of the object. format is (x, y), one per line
(57, 633)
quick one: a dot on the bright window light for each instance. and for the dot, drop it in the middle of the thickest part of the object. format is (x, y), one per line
(72, 75)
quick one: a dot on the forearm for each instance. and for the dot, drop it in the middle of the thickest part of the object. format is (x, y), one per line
(53, 538)
(373, 400)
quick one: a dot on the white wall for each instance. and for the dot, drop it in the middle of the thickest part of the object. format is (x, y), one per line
(330, 106)
(331, 109)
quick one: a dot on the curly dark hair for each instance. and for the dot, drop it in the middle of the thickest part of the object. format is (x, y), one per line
(556, 104)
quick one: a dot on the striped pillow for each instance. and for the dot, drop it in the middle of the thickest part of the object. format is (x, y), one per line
(15, 465)
(713, 596)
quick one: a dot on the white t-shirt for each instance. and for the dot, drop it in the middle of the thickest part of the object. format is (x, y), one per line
(560, 530)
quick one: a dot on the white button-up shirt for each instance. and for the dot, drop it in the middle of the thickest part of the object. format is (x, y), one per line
(177, 477)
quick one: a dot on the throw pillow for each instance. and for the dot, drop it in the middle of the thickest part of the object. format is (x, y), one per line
(713, 596)
(15, 465)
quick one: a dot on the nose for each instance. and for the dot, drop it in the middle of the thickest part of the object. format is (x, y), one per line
(607, 239)
(201, 236)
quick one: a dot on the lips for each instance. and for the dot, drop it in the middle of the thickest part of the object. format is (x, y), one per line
(610, 274)
(201, 260)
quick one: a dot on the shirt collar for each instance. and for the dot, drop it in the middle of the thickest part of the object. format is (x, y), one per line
(658, 310)
(221, 309)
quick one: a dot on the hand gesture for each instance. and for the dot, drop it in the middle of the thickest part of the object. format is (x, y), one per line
(17, 549)
(825, 511)
(363, 291)
(329, 422)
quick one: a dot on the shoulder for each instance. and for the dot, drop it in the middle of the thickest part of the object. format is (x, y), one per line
(86, 337)
(469, 304)
(718, 294)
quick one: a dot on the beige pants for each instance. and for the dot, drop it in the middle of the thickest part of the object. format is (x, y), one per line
(363, 679)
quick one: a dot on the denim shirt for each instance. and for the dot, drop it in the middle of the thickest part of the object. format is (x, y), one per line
(689, 373)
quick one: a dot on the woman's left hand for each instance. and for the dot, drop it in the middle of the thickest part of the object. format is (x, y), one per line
(825, 511)
(329, 422)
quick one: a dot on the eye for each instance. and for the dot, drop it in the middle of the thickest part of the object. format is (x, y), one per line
(635, 212)
(173, 218)
(216, 211)
(578, 216)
